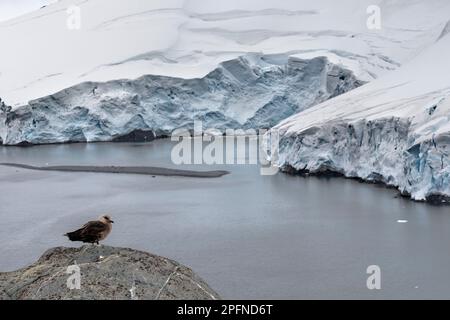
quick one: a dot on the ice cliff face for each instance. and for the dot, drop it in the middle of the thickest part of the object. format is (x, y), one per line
(383, 151)
(255, 91)
(395, 130)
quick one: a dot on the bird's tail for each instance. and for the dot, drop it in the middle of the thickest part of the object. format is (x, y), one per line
(74, 236)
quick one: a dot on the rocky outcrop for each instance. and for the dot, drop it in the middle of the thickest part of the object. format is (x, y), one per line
(254, 91)
(105, 273)
(4, 109)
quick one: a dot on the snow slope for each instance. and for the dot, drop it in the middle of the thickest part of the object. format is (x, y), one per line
(395, 130)
(190, 38)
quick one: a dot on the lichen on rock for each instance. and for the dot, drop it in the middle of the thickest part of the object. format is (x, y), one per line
(106, 273)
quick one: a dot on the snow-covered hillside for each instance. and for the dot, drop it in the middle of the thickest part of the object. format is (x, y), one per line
(395, 130)
(190, 38)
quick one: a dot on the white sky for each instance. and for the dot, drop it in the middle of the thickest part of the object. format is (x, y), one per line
(13, 8)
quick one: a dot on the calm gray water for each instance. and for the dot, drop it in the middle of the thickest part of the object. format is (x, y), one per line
(247, 235)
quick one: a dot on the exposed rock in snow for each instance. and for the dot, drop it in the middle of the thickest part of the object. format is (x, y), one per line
(255, 91)
(395, 130)
(106, 273)
(4, 109)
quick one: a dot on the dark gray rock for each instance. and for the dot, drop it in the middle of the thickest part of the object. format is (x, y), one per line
(4, 110)
(106, 273)
(136, 136)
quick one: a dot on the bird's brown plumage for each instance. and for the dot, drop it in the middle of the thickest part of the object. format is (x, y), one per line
(93, 231)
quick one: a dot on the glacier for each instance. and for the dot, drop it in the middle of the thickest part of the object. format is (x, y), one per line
(251, 92)
(189, 38)
(295, 65)
(394, 131)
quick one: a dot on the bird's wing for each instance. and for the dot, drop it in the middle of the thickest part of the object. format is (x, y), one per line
(93, 228)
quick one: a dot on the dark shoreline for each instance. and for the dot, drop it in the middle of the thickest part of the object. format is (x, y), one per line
(437, 200)
(118, 139)
(151, 171)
